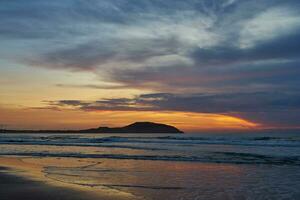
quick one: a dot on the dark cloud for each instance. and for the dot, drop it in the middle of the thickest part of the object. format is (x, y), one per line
(260, 107)
(91, 86)
(94, 55)
(284, 47)
(67, 102)
(274, 75)
(81, 57)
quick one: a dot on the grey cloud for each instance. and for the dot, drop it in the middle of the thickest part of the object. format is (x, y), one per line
(81, 57)
(91, 86)
(70, 21)
(284, 47)
(275, 75)
(67, 102)
(259, 107)
(93, 55)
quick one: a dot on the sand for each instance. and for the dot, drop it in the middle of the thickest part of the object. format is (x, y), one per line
(18, 188)
(25, 180)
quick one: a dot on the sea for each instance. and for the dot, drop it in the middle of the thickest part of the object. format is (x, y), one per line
(170, 166)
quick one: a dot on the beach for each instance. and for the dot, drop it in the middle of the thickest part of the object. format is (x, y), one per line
(26, 180)
(19, 188)
(150, 167)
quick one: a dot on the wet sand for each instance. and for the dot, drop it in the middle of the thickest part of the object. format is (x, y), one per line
(18, 188)
(26, 180)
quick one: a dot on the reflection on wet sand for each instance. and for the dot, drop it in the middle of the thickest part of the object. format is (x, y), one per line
(19, 188)
(132, 179)
(33, 170)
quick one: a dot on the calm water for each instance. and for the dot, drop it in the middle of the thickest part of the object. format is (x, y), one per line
(189, 166)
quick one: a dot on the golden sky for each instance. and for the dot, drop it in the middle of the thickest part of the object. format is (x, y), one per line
(25, 92)
(22, 118)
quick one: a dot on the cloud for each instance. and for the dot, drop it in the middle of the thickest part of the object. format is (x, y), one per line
(272, 75)
(270, 24)
(92, 86)
(283, 47)
(88, 35)
(228, 56)
(261, 107)
(146, 44)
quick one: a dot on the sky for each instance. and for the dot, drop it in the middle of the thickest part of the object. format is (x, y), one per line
(201, 65)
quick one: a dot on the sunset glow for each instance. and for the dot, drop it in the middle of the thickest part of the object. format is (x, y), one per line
(201, 66)
(73, 119)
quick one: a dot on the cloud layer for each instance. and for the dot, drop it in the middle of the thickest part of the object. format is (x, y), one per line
(216, 56)
(276, 109)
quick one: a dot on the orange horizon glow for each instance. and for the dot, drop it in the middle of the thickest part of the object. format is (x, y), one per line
(38, 119)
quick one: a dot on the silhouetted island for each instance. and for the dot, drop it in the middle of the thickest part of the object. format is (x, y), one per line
(137, 127)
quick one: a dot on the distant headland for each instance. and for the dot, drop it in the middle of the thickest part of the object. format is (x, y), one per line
(137, 127)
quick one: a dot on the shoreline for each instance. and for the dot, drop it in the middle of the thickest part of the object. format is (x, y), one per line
(26, 180)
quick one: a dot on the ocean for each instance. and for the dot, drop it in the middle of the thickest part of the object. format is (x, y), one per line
(168, 166)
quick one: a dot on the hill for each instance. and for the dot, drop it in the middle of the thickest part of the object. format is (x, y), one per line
(137, 127)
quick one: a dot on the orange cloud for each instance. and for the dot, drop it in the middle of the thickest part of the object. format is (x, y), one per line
(22, 118)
